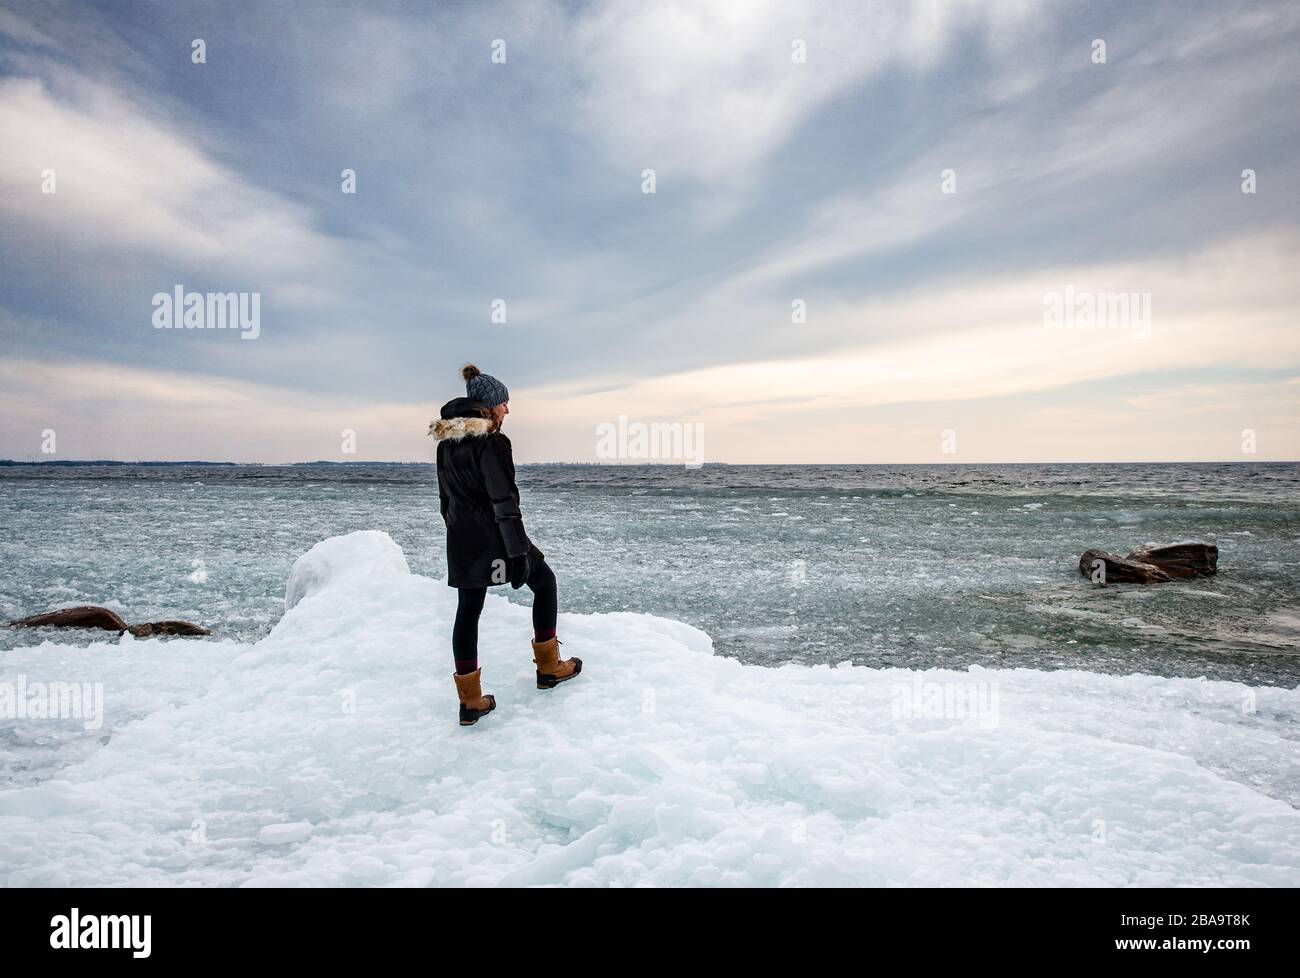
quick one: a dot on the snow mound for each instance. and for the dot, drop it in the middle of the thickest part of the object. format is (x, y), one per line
(328, 753)
(366, 553)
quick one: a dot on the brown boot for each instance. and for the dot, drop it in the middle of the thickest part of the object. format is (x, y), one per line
(551, 669)
(473, 704)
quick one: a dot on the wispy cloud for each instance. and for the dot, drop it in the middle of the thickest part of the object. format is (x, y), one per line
(134, 185)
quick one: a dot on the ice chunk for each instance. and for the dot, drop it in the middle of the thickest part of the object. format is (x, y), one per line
(329, 753)
(366, 553)
(285, 833)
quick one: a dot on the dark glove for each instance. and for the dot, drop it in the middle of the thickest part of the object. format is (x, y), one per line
(520, 567)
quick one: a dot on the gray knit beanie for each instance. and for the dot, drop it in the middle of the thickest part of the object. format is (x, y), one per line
(483, 387)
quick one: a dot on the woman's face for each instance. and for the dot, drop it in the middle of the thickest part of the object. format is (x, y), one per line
(499, 412)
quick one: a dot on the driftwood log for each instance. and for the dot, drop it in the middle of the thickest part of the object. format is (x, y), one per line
(91, 616)
(1151, 565)
(1181, 560)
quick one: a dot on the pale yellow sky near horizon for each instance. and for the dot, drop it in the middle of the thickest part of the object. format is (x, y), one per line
(1002, 387)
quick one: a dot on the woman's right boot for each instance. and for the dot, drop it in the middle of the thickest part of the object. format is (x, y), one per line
(551, 669)
(473, 704)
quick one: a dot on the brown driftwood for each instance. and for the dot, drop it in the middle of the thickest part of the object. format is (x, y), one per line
(91, 616)
(1151, 565)
(1182, 559)
(86, 616)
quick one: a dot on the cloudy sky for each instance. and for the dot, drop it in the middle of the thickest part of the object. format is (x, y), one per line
(861, 214)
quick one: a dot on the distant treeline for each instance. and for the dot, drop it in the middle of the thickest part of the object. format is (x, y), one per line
(275, 465)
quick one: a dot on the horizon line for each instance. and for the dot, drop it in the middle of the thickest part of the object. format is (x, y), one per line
(630, 464)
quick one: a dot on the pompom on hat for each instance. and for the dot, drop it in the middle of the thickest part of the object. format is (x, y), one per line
(483, 387)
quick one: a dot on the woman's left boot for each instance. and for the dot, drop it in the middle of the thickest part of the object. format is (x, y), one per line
(473, 704)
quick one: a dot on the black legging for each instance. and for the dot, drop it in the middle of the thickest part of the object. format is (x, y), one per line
(464, 634)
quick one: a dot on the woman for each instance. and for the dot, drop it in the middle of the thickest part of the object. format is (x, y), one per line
(486, 542)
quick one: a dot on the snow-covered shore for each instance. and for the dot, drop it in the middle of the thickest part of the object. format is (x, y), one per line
(328, 753)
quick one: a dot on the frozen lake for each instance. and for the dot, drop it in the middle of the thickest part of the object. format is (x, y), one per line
(911, 566)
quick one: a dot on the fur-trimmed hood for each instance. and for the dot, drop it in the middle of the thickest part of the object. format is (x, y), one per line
(462, 417)
(454, 429)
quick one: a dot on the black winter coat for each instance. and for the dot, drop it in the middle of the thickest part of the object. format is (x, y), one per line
(478, 496)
